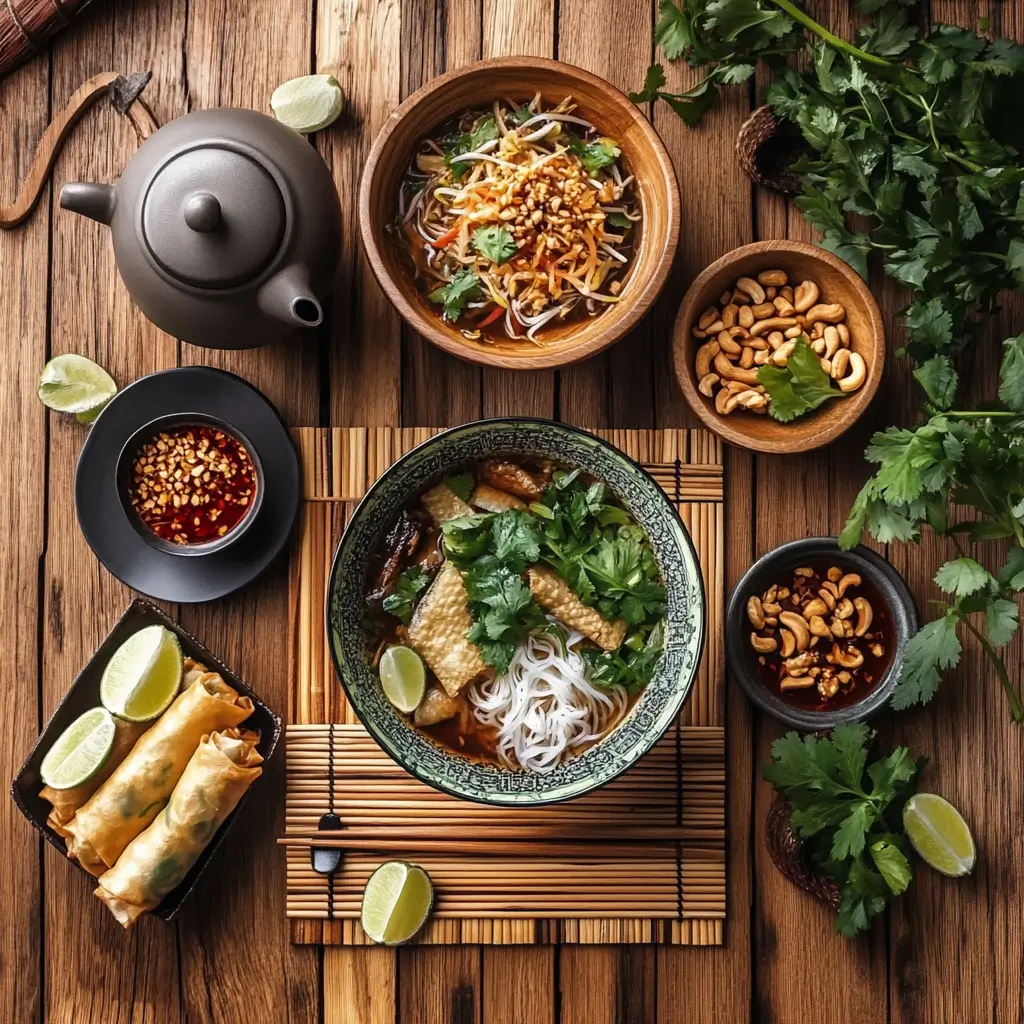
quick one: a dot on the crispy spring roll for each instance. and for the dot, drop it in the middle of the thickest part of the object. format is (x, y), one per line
(219, 772)
(67, 801)
(139, 787)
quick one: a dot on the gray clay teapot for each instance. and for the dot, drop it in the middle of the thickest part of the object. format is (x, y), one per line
(226, 228)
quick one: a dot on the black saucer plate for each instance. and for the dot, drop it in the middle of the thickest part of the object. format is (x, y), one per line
(104, 521)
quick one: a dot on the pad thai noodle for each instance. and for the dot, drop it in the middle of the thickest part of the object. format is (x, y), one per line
(517, 218)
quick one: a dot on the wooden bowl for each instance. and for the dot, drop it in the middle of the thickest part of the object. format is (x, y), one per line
(519, 78)
(838, 282)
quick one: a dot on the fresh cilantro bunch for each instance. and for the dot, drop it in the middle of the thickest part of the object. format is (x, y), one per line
(848, 812)
(453, 296)
(962, 474)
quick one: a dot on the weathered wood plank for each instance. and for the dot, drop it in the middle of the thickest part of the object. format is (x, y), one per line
(94, 972)
(24, 256)
(359, 985)
(238, 55)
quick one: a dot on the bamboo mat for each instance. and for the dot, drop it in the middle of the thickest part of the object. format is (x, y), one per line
(565, 891)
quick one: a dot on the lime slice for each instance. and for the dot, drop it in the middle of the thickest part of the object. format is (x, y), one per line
(142, 677)
(80, 750)
(396, 902)
(939, 834)
(403, 678)
(71, 383)
(309, 103)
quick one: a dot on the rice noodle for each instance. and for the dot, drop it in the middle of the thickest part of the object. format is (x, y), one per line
(544, 708)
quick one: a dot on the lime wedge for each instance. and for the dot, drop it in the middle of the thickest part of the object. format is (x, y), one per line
(939, 834)
(71, 383)
(142, 677)
(309, 103)
(80, 750)
(403, 678)
(396, 902)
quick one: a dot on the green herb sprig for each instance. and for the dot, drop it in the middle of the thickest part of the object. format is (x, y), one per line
(401, 601)
(847, 809)
(798, 387)
(465, 285)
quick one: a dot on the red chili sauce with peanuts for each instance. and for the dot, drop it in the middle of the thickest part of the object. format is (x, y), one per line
(847, 646)
(193, 484)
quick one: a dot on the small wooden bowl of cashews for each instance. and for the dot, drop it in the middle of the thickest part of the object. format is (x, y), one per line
(747, 310)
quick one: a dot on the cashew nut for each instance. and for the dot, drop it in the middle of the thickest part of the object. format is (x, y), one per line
(764, 644)
(725, 298)
(814, 607)
(844, 609)
(818, 346)
(746, 359)
(858, 371)
(831, 341)
(844, 335)
(796, 625)
(828, 684)
(729, 314)
(782, 306)
(746, 317)
(705, 354)
(847, 658)
(805, 295)
(762, 310)
(864, 616)
(796, 683)
(788, 642)
(727, 371)
(771, 607)
(752, 400)
(776, 338)
(707, 384)
(837, 628)
(772, 278)
(793, 332)
(818, 627)
(840, 363)
(830, 312)
(725, 402)
(759, 344)
(726, 344)
(851, 579)
(801, 663)
(781, 355)
(828, 597)
(773, 323)
(752, 288)
(804, 570)
(707, 318)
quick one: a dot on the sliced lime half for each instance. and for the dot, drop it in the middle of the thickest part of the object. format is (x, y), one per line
(396, 902)
(71, 383)
(309, 103)
(403, 677)
(938, 832)
(80, 750)
(142, 677)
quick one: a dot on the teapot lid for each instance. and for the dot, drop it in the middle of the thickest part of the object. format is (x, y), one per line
(213, 216)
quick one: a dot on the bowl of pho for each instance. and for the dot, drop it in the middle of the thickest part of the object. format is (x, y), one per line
(519, 212)
(516, 612)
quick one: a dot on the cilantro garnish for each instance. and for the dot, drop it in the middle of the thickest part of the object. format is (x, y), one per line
(594, 155)
(401, 600)
(461, 484)
(468, 142)
(465, 285)
(799, 386)
(495, 243)
(619, 220)
(847, 810)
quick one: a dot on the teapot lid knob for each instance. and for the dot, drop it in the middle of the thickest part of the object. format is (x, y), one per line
(202, 211)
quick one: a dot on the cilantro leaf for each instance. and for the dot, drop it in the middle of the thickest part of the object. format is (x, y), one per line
(517, 538)
(799, 386)
(461, 484)
(619, 220)
(653, 81)
(672, 33)
(463, 287)
(594, 155)
(962, 576)
(1011, 374)
(495, 243)
(503, 611)
(1002, 617)
(850, 836)
(402, 599)
(935, 646)
(892, 865)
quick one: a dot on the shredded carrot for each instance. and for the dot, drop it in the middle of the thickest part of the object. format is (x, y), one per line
(448, 238)
(491, 317)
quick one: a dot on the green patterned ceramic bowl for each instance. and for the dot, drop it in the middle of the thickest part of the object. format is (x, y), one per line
(659, 703)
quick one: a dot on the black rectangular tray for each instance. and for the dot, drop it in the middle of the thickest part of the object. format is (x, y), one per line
(85, 693)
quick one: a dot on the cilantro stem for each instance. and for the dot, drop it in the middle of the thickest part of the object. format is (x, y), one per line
(981, 414)
(819, 30)
(1016, 706)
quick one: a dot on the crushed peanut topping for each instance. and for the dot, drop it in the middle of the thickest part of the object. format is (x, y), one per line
(193, 484)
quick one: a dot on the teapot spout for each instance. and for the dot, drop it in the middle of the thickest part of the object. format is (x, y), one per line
(288, 297)
(90, 200)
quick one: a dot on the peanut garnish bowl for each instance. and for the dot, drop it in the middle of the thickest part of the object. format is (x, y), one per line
(518, 79)
(824, 298)
(815, 635)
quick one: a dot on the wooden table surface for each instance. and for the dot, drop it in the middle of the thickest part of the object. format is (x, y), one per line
(948, 951)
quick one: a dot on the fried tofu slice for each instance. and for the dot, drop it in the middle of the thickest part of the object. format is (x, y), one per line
(552, 592)
(437, 706)
(443, 504)
(490, 499)
(438, 632)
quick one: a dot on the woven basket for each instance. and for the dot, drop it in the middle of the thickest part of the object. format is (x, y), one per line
(788, 856)
(25, 25)
(767, 148)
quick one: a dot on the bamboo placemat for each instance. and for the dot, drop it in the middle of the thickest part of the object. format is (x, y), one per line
(600, 892)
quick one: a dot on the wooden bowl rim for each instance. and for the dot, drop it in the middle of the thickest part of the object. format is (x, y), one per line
(834, 419)
(592, 338)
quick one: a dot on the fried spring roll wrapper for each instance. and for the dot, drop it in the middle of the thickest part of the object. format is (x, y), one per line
(133, 796)
(67, 801)
(223, 767)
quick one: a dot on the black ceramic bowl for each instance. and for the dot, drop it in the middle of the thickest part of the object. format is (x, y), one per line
(147, 432)
(777, 566)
